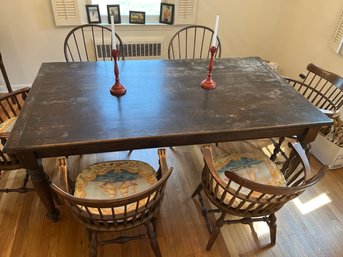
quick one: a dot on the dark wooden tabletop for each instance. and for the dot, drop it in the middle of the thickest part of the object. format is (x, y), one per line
(70, 109)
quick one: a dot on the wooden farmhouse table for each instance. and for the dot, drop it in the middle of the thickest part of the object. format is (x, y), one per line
(70, 110)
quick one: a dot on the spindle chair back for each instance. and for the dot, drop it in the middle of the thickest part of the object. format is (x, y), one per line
(91, 42)
(193, 42)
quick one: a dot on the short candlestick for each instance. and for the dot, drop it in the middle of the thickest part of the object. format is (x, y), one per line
(117, 89)
(209, 83)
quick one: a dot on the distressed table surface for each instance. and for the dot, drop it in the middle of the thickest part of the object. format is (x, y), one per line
(70, 110)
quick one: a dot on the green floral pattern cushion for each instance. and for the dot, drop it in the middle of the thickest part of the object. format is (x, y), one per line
(114, 180)
(253, 166)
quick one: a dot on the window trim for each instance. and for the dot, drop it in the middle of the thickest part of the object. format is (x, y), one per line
(149, 19)
(185, 13)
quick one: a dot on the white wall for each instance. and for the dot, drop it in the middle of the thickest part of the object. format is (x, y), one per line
(306, 29)
(28, 38)
(246, 26)
(289, 32)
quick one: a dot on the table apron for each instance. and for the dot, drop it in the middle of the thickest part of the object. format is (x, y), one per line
(306, 135)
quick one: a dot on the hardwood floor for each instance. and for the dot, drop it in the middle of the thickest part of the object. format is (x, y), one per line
(25, 230)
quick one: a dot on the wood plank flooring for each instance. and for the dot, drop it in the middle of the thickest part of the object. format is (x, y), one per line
(26, 232)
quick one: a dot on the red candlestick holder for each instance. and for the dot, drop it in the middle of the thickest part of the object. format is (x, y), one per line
(209, 83)
(117, 88)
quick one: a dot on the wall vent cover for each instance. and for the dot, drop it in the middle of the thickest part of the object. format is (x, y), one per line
(147, 49)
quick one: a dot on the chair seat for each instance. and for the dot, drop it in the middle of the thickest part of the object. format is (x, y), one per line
(7, 126)
(254, 166)
(115, 180)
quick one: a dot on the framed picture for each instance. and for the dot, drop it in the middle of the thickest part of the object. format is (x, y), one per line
(115, 11)
(167, 13)
(137, 17)
(93, 13)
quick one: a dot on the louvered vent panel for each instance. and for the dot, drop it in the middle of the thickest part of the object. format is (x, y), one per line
(337, 38)
(66, 12)
(143, 50)
(186, 11)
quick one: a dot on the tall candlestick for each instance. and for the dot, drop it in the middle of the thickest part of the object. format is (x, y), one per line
(114, 45)
(214, 39)
(117, 89)
(209, 83)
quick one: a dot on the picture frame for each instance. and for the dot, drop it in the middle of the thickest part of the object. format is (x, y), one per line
(115, 10)
(93, 13)
(167, 13)
(137, 17)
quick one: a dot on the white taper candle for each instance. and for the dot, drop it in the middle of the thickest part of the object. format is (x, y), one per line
(114, 43)
(214, 39)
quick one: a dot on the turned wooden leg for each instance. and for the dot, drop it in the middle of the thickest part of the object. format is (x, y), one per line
(152, 239)
(272, 228)
(40, 183)
(204, 211)
(26, 180)
(154, 222)
(215, 231)
(277, 148)
(93, 244)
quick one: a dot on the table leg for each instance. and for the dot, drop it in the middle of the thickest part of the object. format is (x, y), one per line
(308, 137)
(40, 182)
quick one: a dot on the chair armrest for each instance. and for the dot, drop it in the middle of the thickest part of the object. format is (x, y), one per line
(163, 166)
(12, 103)
(24, 91)
(299, 151)
(63, 182)
(329, 113)
(319, 175)
(290, 80)
(209, 165)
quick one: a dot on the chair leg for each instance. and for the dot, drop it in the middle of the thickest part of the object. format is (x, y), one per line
(215, 231)
(197, 190)
(26, 180)
(204, 211)
(22, 189)
(152, 238)
(272, 228)
(93, 244)
(277, 149)
(153, 222)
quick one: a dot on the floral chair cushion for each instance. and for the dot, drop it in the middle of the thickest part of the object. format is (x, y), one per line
(254, 166)
(115, 180)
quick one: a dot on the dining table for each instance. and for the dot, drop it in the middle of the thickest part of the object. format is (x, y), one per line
(70, 110)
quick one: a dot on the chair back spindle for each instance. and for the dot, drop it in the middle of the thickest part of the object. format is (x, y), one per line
(91, 42)
(192, 42)
(4, 75)
(327, 83)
